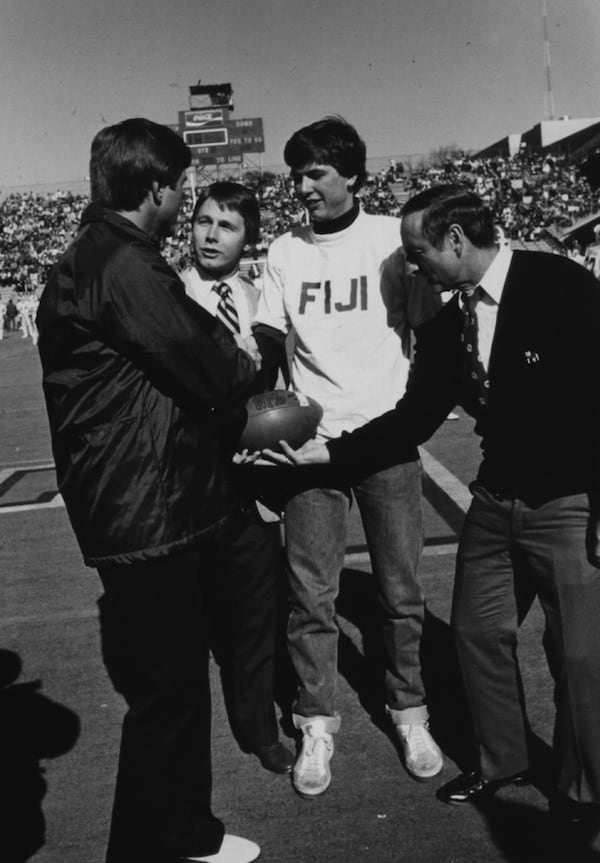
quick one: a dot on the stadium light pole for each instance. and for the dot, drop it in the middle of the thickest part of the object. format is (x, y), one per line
(550, 96)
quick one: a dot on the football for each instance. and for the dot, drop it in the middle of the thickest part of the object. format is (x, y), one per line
(279, 415)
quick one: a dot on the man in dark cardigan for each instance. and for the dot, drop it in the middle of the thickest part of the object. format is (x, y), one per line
(530, 376)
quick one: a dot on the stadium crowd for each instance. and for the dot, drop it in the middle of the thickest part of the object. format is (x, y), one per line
(527, 193)
(530, 196)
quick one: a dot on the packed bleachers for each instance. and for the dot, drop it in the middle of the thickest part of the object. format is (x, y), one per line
(529, 194)
(534, 198)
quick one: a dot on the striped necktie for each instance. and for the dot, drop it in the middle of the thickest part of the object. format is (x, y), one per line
(476, 379)
(226, 310)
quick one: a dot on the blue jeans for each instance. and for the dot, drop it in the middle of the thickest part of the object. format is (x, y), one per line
(315, 531)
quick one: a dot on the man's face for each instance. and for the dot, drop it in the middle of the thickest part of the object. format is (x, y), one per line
(219, 236)
(439, 266)
(170, 206)
(323, 191)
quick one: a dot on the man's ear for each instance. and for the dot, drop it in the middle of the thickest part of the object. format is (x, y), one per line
(351, 183)
(456, 236)
(157, 192)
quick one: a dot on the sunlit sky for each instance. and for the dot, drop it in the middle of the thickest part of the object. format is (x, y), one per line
(412, 75)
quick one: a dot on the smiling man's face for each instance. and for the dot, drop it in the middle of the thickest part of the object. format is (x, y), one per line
(325, 193)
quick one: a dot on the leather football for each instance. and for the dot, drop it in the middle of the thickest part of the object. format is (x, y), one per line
(279, 415)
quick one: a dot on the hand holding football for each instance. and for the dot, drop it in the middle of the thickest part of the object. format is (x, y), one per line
(279, 415)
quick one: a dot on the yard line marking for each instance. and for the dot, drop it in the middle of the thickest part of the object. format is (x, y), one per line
(55, 503)
(446, 480)
(35, 464)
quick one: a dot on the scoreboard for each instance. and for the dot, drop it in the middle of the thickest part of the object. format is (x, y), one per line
(216, 140)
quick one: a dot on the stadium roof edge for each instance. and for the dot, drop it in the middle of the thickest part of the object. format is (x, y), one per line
(577, 135)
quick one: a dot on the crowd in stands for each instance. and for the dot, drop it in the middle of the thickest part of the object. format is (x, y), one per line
(34, 231)
(529, 194)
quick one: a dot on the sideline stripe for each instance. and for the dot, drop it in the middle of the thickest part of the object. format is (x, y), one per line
(11, 475)
(55, 503)
(31, 464)
(445, 480)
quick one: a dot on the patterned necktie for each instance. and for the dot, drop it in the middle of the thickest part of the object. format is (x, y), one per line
(226, 310)
(476, 379)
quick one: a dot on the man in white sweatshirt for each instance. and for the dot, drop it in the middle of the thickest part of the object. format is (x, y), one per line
(329, 282)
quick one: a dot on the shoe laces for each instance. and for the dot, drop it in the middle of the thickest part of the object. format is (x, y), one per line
(316, 750)
(417, 737)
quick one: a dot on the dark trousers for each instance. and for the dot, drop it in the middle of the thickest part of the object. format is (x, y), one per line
(246, 620)
(507, 550)
(155, 646)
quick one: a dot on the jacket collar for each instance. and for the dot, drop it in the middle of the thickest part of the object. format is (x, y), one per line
(98, 213)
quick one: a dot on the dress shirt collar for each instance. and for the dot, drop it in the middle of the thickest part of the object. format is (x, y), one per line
(492, 282)
(210, 281)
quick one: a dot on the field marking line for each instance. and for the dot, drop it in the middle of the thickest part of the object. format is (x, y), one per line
(31, 464)
(55, 503)
(446, 480)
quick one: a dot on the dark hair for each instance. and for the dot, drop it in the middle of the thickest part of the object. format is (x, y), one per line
(451, 203)
(330, 141)
(129, 156)
(233, 196)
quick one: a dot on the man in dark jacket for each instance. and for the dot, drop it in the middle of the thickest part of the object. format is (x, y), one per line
(140, 385)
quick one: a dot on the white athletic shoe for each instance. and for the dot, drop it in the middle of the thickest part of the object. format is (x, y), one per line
(311, 775)
(422, 756)
(233, 849)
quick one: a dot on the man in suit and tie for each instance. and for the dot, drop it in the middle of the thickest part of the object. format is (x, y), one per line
(225, 222)
(518, 346)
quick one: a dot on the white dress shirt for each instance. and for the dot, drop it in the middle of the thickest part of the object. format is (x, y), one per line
(200, 288)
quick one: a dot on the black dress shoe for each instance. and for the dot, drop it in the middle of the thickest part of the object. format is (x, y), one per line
(470, 787)
(275, 757)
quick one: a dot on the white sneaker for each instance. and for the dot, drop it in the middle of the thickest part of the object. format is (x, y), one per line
(311, 774)
(233, 849)
(422, 756)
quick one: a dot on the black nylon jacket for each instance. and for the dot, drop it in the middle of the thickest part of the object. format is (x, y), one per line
(139, 384)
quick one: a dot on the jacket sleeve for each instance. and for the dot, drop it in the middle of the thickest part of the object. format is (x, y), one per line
(432, 390)
(184, 351)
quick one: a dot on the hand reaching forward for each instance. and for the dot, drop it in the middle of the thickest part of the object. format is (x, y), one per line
(309, 453)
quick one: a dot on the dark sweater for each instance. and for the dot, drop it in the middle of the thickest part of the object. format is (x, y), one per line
(541, 428)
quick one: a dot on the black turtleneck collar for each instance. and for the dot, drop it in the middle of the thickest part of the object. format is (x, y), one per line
(331, 226)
